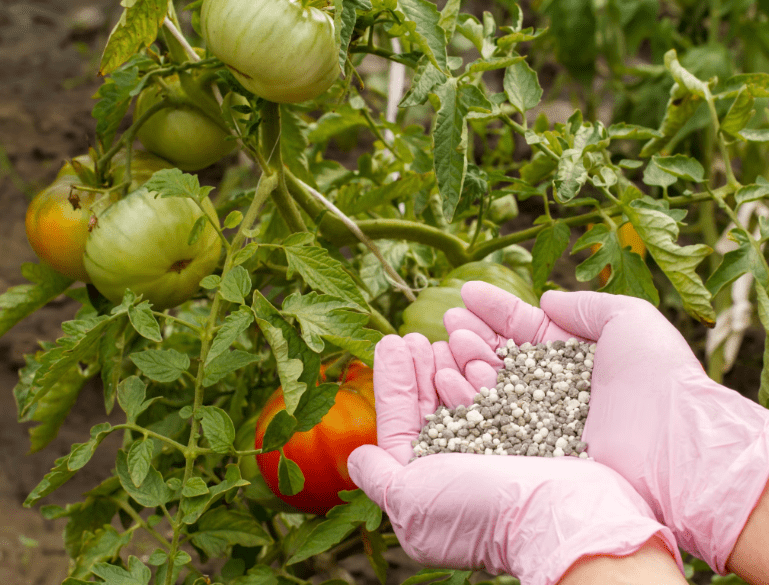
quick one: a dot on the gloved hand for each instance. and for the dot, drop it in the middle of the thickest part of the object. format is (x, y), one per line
(696, 451)
(530, 517)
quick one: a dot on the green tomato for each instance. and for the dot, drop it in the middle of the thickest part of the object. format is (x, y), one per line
(185, 136)
(278, 49)
(425, 315)
(141, 243)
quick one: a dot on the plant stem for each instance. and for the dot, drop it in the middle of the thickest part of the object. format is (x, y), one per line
(522, 131)
(371, 50)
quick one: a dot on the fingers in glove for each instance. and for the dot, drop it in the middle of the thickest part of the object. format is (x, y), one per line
(424, 364)
(467, 346)
(453, 389)
(373, 470)
(461, 318)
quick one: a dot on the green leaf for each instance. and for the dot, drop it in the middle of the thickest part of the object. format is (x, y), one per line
(294, 142)
(220, 528)
(427, 575)
(450, 146)
(629, 274)
(481, 65)
(225, 363)
(752, 135)
(680, 108)
(681, 166)
(85, 519)
(340, 522)
(623, 131)
(137, 574)
(130, 396)
(111, 354)
(279, 431)
(374, 546)
(53, 480)
(290, 477)
(140, 460)
(481, 35)
(659, 232)
(137, 29)
(233, 219)
(358, 201)
(428, 34)
(736, 263)
(739, 114)
(175, 183)
(550, 244)
(20, 301)
(346, 25)
(323, 273)
(656, 176)
(522, 86)
(763, 315)
(152, 492)
(113, 99)
(327, 317)
(573, 28)
(570, 175)
(337, 122)
(684, 78)
(314, 405)
(197, 230)
(372, 272)
(758, 190)
(242, 255)
(236, 285)
(217, 428)
(103, 544)
(82, 452)
(234, 324)
(426, 78)
(757, 85)
(144, 321)
(161, 365)
(194, 487)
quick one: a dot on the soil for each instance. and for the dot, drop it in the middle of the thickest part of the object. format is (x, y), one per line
(49, 53)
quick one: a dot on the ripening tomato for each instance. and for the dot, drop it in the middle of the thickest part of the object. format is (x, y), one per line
(186, 136)
(321, 453)
(141, 243)
(58, 217)
(280, 50)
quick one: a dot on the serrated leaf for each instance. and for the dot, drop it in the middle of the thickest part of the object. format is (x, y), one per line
(684, 78)
(139, 460)
(278, 432)
(680, 108)
(629, 274)
(739, 114)
(314, 405)
(549, 246)
(17, 302)
(407, 184)
(655, 176)
(152, 492)
(426, 78)
(195, 486)
(244, 254)
(112, 101)
(137, 574)
(340, 522)
(221, 528)
(236, 285)
(681, 166)
(103, 544)
(659, 232)
(298, 366)
(759, 190)
(326, 317)
(217, 428)
(570, 175)
(323, 273)
(161, 365)
(225, 363)
(290, 477)
(130, 396)
(737, 262)
(234, 324)
(428, 34)
(175, 183)
(450, 146)
(144, 321)
(522, 86)
(137, 29)
(111, 354)
(52, 481)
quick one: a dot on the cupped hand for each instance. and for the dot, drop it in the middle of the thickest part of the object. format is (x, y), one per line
(696, 451)
(531, 517)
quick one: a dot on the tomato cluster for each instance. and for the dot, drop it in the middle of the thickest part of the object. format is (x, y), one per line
(321, 453)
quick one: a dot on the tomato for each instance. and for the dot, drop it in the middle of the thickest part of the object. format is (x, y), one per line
(278, 49)
(503, 209)
(58, 217)
(321, 453)
(140, 242)
(628, 236)
(425, 315)
(186, 135)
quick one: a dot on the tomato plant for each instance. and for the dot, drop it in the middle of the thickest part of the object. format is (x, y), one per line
(142, 243)
(182, 133)
(57, 221)
(321, 452)
(283, 51)
(387, 153)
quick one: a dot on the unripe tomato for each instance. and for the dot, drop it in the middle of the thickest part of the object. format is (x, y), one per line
(58, 217)
(278, 49)
(140, 242)
(186, 136)
(628, 236)
(321, 453)
(425, 315)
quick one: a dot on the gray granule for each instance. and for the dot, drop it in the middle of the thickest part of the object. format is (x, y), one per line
(537, 408)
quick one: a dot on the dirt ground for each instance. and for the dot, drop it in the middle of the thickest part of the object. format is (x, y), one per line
(49, 51)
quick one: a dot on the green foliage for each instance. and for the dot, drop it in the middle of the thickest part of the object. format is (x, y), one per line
(347, 203)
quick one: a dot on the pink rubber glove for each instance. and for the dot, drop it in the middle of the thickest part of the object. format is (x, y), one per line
(696, 451)
(530, 517)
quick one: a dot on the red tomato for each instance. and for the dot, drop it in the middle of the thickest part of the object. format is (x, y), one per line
(321, 453)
